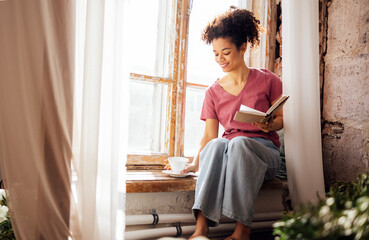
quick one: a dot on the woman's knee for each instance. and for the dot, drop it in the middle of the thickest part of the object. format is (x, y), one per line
(217, 144)
(241, 151)
(250, 152)
(213, 153)
(240, 144)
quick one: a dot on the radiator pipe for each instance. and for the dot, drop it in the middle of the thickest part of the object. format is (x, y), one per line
(154, 218)
(178, 230)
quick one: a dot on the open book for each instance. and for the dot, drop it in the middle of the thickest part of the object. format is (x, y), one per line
(250, 115)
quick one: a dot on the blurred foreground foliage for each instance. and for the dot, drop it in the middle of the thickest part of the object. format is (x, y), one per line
(344, 214)
(6, 229)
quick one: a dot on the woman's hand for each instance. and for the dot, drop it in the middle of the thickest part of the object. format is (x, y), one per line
(265, 127)
(275, 123)
(192, 167)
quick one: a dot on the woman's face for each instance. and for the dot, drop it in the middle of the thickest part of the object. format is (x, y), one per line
(227, 55)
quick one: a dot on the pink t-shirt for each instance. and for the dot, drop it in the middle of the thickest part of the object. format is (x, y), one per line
(261, 89)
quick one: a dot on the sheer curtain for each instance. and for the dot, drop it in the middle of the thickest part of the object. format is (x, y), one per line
(100, 118)
(263, 55)
(63, 122)
(300, 33)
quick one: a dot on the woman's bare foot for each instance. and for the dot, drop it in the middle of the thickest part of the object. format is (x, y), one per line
(241, 232)
(202, 227)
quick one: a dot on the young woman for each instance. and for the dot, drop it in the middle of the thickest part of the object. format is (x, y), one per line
(233, 168)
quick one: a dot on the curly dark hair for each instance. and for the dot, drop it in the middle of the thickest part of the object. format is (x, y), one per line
(239, 25)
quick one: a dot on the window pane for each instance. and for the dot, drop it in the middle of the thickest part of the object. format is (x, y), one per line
(148, 31)
(146, 117)
(194, 127)
(202, 67)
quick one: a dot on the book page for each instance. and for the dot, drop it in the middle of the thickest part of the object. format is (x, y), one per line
(246, 109)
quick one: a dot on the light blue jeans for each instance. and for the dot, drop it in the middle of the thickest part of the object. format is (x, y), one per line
(231, 175)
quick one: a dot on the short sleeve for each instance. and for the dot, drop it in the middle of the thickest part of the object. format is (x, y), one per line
(208, 107)
(275, 88)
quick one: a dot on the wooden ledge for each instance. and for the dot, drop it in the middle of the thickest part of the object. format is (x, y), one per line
(141, 181)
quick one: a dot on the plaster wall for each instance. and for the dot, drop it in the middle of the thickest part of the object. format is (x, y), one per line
(268, 200)
(161, 202)
(345, 111)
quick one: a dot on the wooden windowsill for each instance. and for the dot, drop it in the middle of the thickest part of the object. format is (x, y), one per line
(142, 181)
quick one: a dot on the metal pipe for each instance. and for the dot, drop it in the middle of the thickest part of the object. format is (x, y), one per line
(154, 233)
(188, 218)
(163, 218)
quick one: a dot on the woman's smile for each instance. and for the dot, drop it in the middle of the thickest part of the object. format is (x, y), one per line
(223, 65)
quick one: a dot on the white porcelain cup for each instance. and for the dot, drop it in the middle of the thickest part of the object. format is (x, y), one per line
(177, 164)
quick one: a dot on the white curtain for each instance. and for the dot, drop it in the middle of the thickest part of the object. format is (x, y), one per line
(300, 33)
(264, 11)
(100, 119)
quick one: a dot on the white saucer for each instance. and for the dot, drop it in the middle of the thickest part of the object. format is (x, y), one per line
(178, 175)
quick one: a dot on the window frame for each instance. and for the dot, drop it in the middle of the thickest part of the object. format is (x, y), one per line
(174, 129)
(177, 80)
